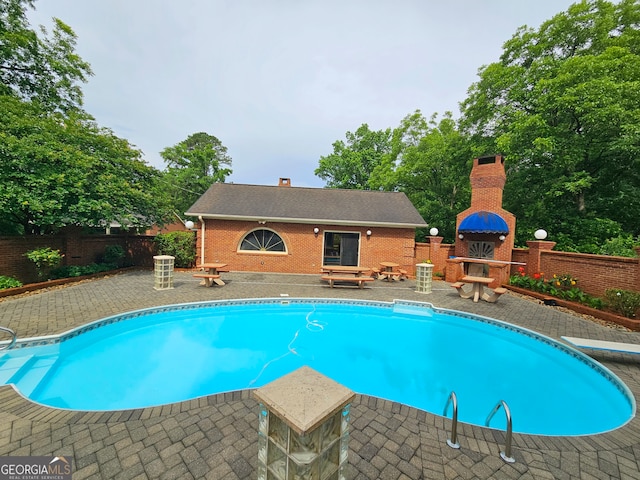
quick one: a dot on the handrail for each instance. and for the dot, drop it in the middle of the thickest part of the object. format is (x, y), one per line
(452, 400)
(13, 338)
(506, 454)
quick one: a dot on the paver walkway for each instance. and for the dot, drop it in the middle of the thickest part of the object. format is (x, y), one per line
(216, 437)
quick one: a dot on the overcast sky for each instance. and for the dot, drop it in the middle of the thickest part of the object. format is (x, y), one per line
(278, 81)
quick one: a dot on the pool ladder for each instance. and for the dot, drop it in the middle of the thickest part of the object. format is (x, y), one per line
(13, 338)
(452, 400)
(506, 454)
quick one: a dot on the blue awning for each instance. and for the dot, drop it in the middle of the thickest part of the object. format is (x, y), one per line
(483, 222)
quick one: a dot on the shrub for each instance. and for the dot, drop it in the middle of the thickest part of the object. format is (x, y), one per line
(80, 270)
(624, 302)
(114, 255)
(181, 245)
(45, 259)
(9, 282)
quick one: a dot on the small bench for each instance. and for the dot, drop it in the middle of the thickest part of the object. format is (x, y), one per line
(403, 274)
(493, 298)
(335, 278)
(209, 278)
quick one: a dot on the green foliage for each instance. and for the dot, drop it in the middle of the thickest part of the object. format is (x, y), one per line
(38, 67)
(193, 166)
(114, 254)
(44, 259)
(563, 105)
(181, 245)
(9, 282)
(69, 271)
(563, 286)
(66, 170)
(624, 302)
(59, 167)
(352, 163)
(620, 246)
(430, 163)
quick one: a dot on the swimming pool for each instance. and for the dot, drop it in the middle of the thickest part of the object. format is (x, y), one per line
(402, 351)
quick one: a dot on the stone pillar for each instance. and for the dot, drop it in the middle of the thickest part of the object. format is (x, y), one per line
(533, 260)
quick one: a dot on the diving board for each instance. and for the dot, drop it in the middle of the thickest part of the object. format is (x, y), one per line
(603, 345)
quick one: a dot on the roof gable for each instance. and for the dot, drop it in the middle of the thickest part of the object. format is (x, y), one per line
(307, 205)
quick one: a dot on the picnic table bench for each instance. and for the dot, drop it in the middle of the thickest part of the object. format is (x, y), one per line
(360, 281)
(209, 278)
(211, 273)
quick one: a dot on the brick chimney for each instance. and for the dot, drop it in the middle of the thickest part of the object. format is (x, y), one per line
(488, 177)
(284, 182)
(487, 183)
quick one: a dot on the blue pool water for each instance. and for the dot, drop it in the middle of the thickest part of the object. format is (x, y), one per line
(406, 352)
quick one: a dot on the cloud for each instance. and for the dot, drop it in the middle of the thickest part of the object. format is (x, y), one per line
(279, 81)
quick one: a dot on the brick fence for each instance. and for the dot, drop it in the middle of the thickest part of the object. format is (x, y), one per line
(595, 273)
(78, 249)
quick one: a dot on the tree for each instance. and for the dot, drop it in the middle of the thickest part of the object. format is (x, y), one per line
(352, 163)
(192, 166)
(430, 163)
(36, 68)
(563, 105)
(60, 170)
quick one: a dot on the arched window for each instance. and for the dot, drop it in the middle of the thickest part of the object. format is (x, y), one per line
(262, 240)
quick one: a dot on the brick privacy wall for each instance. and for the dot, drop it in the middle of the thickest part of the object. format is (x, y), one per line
(77, 249)
(595, 273)
(438, 257)
(304, 249)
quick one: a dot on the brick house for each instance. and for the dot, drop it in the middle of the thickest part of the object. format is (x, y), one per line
(289, 229)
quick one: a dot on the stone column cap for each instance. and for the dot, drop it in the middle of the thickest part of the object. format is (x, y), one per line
(304, 398)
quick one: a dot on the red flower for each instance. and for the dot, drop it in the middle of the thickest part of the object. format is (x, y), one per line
(536, 276)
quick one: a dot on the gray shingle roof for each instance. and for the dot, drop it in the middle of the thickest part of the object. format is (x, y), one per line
(307, 205)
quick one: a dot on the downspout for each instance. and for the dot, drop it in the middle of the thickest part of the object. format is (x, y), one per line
(201, 239)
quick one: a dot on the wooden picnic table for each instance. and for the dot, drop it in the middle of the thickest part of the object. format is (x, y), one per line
(212, 274)
(387, 271)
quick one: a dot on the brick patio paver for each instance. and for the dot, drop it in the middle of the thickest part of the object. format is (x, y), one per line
(215, 437)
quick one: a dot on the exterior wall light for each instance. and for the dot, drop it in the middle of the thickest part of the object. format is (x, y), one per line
(189, 224)
(460, 236)
(540, 234)
(368, 233)
(433, 232)
(316, 231)
(502, 238)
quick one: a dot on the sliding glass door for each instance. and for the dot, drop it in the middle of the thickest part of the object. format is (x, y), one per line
(341, 248)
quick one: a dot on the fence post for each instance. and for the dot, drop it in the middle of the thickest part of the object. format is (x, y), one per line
(535, 248)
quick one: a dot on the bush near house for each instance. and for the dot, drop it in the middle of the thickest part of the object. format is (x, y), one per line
(181, 245)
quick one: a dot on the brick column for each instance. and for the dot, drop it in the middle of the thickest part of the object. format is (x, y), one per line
(533, 260)
(434, 253)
